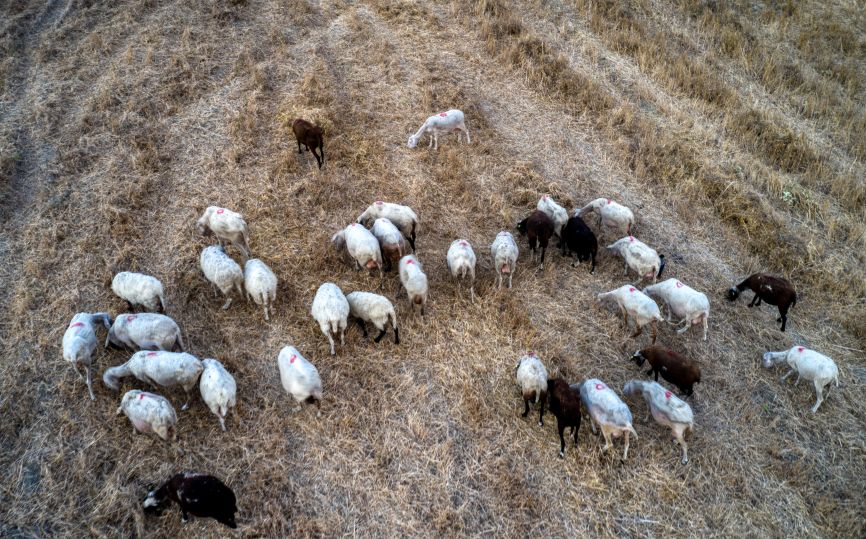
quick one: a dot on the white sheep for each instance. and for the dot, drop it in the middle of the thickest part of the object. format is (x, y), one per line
(391, 241)
(606, 410)
(368, 307)
(226, 225)
(808, 364)
(666, 408)
(414, 281)
(441, 124)
(300, 378)
(164, 369)
(504, 252)
(532, 380)
(403, 217)
(218, 389)
(222, 272)
(144, 331)
(331, 311)
(139, 289)
(611, 214)
(632, 302)
(79, 343)
(688, 305)
(639, 257)
(557, 213)
(461, 262)
(260, 284)
(362, 246)
(149, 412)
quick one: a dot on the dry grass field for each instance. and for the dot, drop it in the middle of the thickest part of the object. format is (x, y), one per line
(736, 131)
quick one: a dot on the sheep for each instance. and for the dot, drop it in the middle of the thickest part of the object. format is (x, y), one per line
(808, 364)
(139, 289)
(391, 241)
(441, 124)
(158, 369)
(414, 281)
(362, 246)
(79, 343)
(565, 405)
(260, 284)
(300, 378)
(773, 290)
(532, 380)
(461, 263)
(553, 210)
(639, 257)
(538, 227)
(198, 495)
(149, 412)
(218, 389)
(403, 217)
(667, 409)
(144, 331)
(577, 238)
(367, 307)
(311, 136)
(226, 225)
(222, 272)
(676, 369)
(610, 214)
(608, 411)
(632, 302)
(504, 252)
(684, 302)
(331, 311)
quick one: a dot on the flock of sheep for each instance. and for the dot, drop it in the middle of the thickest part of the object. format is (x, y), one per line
(379, 240)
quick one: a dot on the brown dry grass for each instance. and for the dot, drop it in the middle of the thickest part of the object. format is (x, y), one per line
(124, 121)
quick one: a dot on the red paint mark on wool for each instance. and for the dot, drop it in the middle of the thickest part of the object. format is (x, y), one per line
(631, 289)
(293, 358)
(379, 202)
(599, 386)
(631, 238)
(410, 262)
(221, 211)
(443, 114)
(151, 354)
(76, 325)
(609, 202)
(140, 396)
(800, 348)
(130, 318)
(545, 197)
(668, 394)
(679, 284)
(464, 244)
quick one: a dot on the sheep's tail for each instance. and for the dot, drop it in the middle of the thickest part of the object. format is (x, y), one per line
(178, 341)
(794, 302)
(393, 316)
(632, 431)
(239, 286)
(246, 234)
(161, 302)
(662, 263)
(112, 375)
(335, 326)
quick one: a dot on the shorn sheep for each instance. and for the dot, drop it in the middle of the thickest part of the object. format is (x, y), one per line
(299, 377)
(391, 241)
(538, 228)
(612, 215)
(553, 210)
(414, 281)
(461, 263)
(159, 369)
(139, 289)
(504, 253)
(532, 381)
(312, 137)
(773, 290)
(199, 495)
(218, 389)
(222, 272)
(666, 408)
(632, 302)
(80, 341)
(441, 124)
(577, 238)
(149, 412)
(688, 305)
(564, 403)
(640, 257)
(331, 310)
(376, 309)
(260, 284)
(809, 364)
(676, 369)
(144, 331)
(607, 411)
(226, 225)
(403, 217)
(362, 246)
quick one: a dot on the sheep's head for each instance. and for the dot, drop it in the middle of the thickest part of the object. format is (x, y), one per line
(156, 500)
(413, 141)
(772, 358)
(521, 226)
(339, 240)
(733, 293)
(632, 388)
(638, 358)
(202, 228)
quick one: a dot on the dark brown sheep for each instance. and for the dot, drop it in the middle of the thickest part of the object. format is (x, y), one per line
(565, 405)
(674, 368)
(538, 227)
(310, 136)
(197, 494)
(773, 290)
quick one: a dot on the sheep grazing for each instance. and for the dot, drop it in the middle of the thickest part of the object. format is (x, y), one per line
(773, 290)
(504, 252)
(607, 411)
(222, 272)
(461, 263)
(331, 311)
(639, 257)
(667, 409)
(79, 343)
(158, 369)
(149, 412)
(564, 403)
(226, 225)
(144, 331)
(300, 378)
(577, 238)
(609, 214)
(311, 136)
(391, 241)
(362, 246)
(400, 216)
(441, 124)
(218, 389)
(139, 289)
(553, 210)
(532, 380)
(414, 281)
(688, 305)
(368, 307)
(260, 284)
(808, 364)
(538, 227)
(199, 495)
(676, 369)
(632, 302)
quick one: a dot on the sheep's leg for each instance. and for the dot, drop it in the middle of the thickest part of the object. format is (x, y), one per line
(784, 318)
(639, 330)
(655, 328)
(509, 278)
(363, 326)
(435, 140)
(468, 140)
(706, 324)
(331, 342)
(575, 431)
(625, 271)
(797, 381)
(265, 307)
(525, 408)
(625, 452)
(679, 432)
(227, 303)
(561, 428)
(657, 374)
(754, 299)
(381, 334)
(186, 404)
(790, 372)
(431, 141)
(215, 293)
(624, 315)
(472, 292)
(222, 423)
(543, 250)
(819, 389)
(90, 382)
(607, 443)
(499, 280)
(343, 336)
(592, 425)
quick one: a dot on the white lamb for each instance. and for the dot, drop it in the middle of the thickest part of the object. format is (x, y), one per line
(639, 257)
(632, 302)
(227, 226)
(260, 284)
(666, 408)
(808, 364)
(79, 342)
(556, 213)
(300, 378)
(331, 311)
(391, 241)
(362, 246)
(606, 410)
(461, 263)
(218, 389)
(222, 272)
(144, 331)
(139, 289)
(688, 305)
(164, 369)
(504, 253)
(414, 281)
(532, 380)
(441, 124)
(403, 217)
(616, 217)
(149, 412)
(368, 307)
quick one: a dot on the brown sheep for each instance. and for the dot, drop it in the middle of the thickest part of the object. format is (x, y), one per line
(674, 368)
(565, 405)
(539, 228)
(773, 290)
(310, 136)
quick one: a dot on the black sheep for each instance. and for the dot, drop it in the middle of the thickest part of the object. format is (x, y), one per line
(577, 238)
(538, 227)
(197, 494)
(565, 405)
